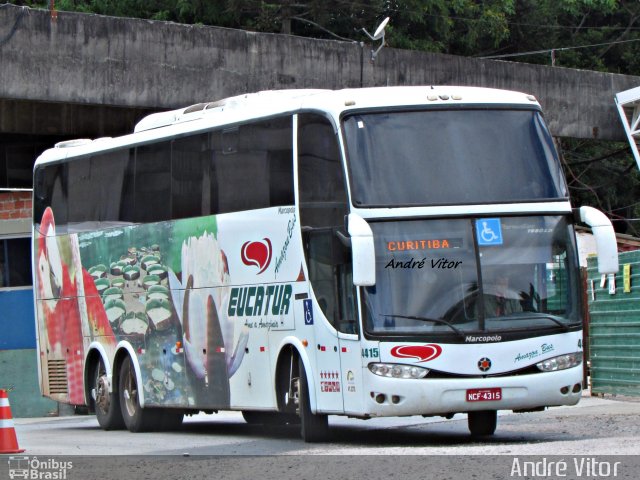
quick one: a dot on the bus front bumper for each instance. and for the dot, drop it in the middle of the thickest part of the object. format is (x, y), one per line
(400, 397)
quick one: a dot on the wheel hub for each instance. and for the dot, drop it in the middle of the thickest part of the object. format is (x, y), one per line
(131, 395)
(102, 393)
(293, 396)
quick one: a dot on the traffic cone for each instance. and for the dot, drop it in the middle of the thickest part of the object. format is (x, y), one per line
(8, 439)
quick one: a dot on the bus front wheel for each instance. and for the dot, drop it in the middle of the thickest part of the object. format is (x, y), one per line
(314, 427)
(483, 422)
(106, 403)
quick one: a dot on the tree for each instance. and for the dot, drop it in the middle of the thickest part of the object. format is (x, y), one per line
(603, 175)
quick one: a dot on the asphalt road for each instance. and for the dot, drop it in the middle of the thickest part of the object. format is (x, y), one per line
(581, 436)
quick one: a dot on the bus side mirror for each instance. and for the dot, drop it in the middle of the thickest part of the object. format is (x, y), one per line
(362, 251)
(605, 236)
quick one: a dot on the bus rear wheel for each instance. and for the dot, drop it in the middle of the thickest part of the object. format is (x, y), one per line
(483, 422)
(314, 427)
(105, 402)
(136, 418)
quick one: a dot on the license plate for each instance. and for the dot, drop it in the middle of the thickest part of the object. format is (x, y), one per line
(484, 394)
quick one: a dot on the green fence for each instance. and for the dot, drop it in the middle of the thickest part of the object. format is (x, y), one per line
(614, 327)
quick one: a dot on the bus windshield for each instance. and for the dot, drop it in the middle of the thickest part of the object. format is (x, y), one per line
(448, 157)
(449, 278)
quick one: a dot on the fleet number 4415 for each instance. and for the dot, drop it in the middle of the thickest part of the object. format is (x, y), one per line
(371, 352)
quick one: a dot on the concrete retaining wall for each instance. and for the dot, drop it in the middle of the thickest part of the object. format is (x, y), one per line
(92, 59)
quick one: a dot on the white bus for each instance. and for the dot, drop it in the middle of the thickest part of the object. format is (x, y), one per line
(297, 254)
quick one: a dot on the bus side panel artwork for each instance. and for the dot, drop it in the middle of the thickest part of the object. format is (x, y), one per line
(58, 315)
(264, 258)
(187, 297)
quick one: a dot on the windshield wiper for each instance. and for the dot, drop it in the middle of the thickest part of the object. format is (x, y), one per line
(518, 316)
(460, 333)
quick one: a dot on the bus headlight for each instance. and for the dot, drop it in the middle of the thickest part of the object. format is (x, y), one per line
(394, 370)
(561, 362)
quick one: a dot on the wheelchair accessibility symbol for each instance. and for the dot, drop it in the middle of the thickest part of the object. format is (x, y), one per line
(489, 231)
(308, 312)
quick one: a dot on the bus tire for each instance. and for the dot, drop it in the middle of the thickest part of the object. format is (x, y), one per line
(313, 427)
(136, 418)
(106, 404)
(483, 422)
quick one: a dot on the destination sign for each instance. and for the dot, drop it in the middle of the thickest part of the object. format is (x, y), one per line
(424, 244)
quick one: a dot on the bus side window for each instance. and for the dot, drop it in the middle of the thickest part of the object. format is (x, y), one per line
(281, 177)
(96, 192)
(110, 166)
(246, 167)
(53, 183)
(189, 174)
(81, 201)
(323, 196)
(323, 205)
(153, 182)
(253, 166)
(329, 263)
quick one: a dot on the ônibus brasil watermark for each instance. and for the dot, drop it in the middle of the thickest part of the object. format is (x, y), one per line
(37, 469)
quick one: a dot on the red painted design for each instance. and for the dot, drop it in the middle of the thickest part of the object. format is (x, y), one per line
(62, 286)
(257, 254)
(423, 353)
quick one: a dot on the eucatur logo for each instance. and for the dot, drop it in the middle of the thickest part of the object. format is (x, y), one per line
(257, 254)
(423, 353)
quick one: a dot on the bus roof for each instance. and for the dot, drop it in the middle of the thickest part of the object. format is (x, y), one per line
(241, 108)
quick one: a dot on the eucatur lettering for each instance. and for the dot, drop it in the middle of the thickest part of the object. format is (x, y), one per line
(259, 300)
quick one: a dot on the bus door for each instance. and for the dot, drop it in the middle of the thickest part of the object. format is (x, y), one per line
(321, 310)
(323, 204)
(333, 311)
(346, 323)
